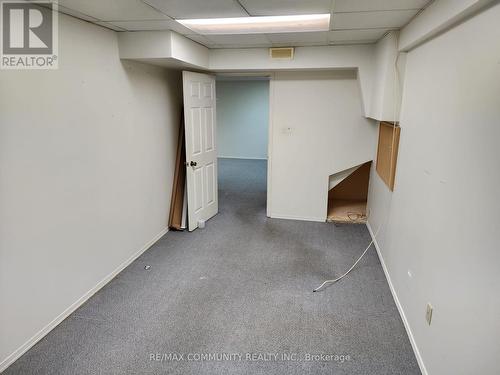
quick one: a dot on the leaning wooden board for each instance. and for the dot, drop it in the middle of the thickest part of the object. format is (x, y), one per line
(178, 196)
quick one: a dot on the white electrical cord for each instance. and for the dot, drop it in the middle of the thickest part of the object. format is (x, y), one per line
(352, 267)
(397, 88)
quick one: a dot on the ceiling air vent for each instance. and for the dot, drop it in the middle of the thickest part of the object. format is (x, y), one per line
(281, 53)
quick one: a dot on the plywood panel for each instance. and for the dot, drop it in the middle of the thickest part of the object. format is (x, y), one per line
(347, 211)
(387, 153)
(178, 192)
(353, 187)
(347, 200)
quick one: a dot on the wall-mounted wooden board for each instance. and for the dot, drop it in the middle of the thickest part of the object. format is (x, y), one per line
(387, 153)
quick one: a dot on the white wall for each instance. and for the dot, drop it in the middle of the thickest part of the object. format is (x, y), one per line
(164, 48)
(358, 57)
(441, 222)
(242, 118)
(317, 129)
(167, 48)
(86, 165)
(387, 81)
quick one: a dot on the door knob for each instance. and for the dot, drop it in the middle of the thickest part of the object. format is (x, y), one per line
(193, 164)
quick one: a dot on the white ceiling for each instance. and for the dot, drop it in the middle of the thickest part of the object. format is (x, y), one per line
(352, 21)
(286, 7)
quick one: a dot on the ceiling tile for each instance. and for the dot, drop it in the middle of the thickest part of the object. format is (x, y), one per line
(182, 9)
(109, 26)
(350, 42)
(236, 46)
(177, 27)
(242, 40)
(371, 35)
(76, 14)
(114, 10)
(200, 39)
(299, 44)
(374, 5)
(142, 25)
(299, 38)
(286, 7)
(369, 20)
(152, 25)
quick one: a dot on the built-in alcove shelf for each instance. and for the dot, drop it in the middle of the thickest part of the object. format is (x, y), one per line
(347, 199)
(346, 211)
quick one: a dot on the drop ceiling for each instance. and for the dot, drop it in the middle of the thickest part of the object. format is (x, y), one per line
(351, 22)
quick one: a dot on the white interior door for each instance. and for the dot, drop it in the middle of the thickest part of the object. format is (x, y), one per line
(201, 153)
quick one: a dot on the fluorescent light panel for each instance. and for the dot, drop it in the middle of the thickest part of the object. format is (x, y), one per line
(259, 25)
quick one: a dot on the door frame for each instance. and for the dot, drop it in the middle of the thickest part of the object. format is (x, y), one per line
(269, 76)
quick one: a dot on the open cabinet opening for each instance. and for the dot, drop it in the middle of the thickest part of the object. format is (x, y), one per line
(347, 199)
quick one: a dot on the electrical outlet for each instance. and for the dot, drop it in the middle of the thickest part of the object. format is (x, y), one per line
(428, 313)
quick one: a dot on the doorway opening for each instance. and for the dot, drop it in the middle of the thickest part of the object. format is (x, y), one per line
(242, 141)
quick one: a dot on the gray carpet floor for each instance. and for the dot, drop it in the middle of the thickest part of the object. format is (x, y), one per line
(241, 286)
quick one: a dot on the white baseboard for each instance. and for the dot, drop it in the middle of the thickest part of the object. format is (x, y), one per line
(398, 304)
(49, 327)
(238, 157)
(302, 218)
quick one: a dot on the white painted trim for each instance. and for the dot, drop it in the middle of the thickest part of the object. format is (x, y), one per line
(270, 146)
(302, 218)
(413, 343)
(242, 157)
(53, 324)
